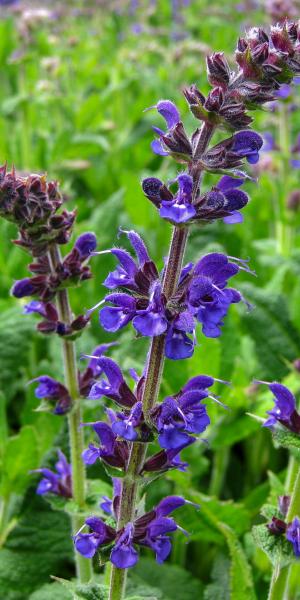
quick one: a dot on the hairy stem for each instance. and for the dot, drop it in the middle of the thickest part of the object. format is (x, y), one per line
(76, 441)
(153, 375)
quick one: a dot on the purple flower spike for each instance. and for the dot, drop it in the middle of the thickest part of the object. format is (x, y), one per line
(86, 244)
(247, 144)
(58, 483)
(124, 555)
(284, 411)
(293, 535)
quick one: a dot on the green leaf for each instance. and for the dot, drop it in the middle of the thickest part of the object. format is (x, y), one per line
(219, 589)
(49, 591)
(39, 545)
(276, 339)
(169, 579)
(241, 582)
(286, 438)
(86, 591)
(20, 455)
(276, 547)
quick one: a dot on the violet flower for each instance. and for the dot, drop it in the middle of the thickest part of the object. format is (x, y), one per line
(59, 483)
(87, 544)
(53, 391)
(284, 411)
(293, 535)
(113, 452)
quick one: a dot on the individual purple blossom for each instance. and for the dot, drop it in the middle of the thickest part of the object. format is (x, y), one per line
(167, 459)
(53, 391)
(174, 141)
(180, 338)
(114, 386)
(86, 244)
(113, 318)
(179, 416)
(59, 482)
(125, 426)
(284, 411)
(23, 287)
(132, 274)
(152, 320)
(247, 144)
(123, 554)
(111, 506)
(111, 451)
(101, 534)
(293, 535)
(207, 297)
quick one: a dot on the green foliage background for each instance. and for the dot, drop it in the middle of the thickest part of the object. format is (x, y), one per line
(72, 95)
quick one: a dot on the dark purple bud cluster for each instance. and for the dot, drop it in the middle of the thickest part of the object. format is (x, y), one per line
(201, 296)
(59, 482)
(150, 530)
(284, 412)
(32, 204)
(280, 527)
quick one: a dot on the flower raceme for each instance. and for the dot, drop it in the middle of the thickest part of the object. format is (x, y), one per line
(202, 296)
(150, 530)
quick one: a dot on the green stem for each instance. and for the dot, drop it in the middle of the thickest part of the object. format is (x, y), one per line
(278, 584)
(153, 374)
(284, 231)
(76, 440)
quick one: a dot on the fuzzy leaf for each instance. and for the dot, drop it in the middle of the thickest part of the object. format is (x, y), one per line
(269, 324)
(277, 548)
(286, 438)
(39, 545)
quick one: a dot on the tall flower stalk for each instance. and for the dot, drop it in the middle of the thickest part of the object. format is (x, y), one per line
(34, 205)
(166, 307)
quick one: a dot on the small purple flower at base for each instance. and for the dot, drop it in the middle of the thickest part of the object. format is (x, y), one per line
(53, 391)
(284, 411)
(87, 544)
(124, 555)
(293, 535)
(86, 244)
(59, 483)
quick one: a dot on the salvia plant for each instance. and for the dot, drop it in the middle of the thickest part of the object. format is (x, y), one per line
(143, 435)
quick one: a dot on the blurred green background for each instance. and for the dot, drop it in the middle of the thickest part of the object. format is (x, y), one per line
(75, 80)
